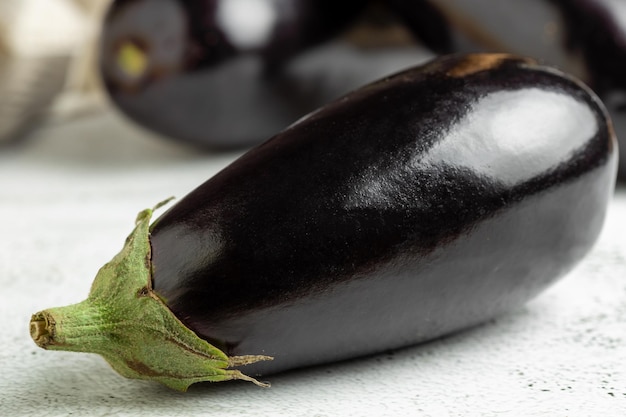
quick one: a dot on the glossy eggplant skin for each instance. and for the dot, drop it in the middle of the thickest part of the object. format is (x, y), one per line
(414, 207)
(586, 38)
(212, 72)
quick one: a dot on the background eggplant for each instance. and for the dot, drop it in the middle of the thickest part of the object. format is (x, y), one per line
(211, 72)
(586, 38)
(414, 207)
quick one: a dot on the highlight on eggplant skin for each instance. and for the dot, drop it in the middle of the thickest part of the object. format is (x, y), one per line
(425, 203)
(586, 38)
(420, 205)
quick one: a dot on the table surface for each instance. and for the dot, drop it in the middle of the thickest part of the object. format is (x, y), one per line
(68, 197)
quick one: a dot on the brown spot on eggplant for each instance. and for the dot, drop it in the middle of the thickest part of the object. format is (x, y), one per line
(473, 63)
(409, 209)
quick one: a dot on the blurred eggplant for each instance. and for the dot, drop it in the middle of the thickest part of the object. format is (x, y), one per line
(212, 72)
(586, 38)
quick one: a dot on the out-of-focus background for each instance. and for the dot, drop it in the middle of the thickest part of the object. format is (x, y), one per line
(75, 170)
(47, 61)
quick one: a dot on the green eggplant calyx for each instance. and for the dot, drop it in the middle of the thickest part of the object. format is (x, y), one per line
(125, 322)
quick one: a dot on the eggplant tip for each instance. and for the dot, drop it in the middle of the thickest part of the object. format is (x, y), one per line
(243, 377)
(40, 330)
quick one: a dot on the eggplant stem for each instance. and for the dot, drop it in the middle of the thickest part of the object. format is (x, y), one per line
(129, 325)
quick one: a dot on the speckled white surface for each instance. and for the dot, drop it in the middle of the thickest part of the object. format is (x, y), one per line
(68, 198)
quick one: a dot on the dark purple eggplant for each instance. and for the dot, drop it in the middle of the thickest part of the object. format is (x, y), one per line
(586, 38)
(417, 206)
(211, 72)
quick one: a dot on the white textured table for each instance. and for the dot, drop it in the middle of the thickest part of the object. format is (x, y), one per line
(68, 199)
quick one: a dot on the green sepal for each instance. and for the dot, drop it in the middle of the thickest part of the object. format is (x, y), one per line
(125, 322)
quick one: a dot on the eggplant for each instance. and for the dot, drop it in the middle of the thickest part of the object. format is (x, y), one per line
(212, 72)
(586, 38)
(417, 206)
